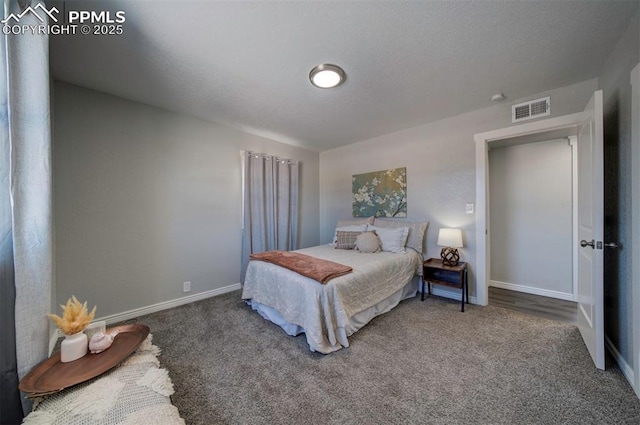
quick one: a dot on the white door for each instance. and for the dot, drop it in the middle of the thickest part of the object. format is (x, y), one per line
(591, 230)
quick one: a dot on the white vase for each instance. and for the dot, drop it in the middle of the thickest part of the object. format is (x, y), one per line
(73, 347)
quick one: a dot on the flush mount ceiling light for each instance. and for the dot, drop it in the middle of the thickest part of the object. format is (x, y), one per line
(326, 76)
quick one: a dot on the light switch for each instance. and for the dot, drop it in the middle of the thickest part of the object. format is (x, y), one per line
(470, 208)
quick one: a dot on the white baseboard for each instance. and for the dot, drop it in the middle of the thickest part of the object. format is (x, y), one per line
(627, 370)
(531, 290)
(142, 311)
(455, 294)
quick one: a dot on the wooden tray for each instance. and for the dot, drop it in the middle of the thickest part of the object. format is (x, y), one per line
(52, 375)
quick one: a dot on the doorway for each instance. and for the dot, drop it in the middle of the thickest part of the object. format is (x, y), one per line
(532, 210)
(538, 131)
(588, 266)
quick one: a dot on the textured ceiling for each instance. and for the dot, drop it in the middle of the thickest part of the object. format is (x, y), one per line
(246, 64)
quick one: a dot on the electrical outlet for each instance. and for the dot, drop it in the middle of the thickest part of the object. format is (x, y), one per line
(470, 208)
(186, 287)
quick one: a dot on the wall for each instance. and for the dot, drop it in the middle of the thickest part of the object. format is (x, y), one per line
(531, 216)
(440, 161)
(616, 85)
(146, 199)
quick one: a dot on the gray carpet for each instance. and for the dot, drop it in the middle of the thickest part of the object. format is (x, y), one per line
(423, 362)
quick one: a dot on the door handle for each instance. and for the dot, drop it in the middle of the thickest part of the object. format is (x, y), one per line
(612, 245)
(585, 244)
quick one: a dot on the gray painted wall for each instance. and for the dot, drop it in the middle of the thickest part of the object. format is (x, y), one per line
(531, 215)
(146, 199)
(441, 169)
(616, 86)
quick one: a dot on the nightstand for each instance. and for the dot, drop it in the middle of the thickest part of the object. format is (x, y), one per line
(434, 272)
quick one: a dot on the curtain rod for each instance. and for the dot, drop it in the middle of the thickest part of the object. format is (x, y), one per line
(267, 156)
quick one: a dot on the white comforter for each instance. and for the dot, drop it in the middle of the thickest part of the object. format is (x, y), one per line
(324, 310)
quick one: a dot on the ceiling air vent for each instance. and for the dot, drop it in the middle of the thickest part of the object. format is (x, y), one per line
(532, 109)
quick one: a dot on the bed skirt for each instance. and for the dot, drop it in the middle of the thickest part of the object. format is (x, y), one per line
(356, 322)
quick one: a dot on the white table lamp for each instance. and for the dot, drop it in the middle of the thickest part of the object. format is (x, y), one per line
(450, 239)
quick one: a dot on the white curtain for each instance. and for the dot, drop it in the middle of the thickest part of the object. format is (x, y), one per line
(25, 74)
(270, 205)
(10, 404)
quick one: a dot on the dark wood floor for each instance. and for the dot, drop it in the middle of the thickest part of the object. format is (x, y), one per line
(550, 308)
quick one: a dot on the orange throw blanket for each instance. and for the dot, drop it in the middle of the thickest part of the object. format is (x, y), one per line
(311, 267)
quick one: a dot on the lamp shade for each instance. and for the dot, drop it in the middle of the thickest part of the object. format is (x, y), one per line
(450, 237)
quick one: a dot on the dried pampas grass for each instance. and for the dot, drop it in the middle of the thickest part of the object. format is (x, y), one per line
(75, 317)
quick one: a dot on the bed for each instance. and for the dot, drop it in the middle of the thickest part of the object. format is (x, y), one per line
(329, 313)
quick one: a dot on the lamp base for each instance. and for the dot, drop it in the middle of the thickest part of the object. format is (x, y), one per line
(449, 256)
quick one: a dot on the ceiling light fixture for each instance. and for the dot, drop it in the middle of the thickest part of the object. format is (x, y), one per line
(327, 76)
(497, 97)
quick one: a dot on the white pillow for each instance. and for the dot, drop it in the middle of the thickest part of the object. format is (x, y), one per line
(416, 231)
(352, 228)
(393, 240)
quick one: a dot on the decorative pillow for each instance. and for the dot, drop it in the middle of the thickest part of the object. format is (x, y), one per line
(368, 242)
(355, 228)
(346, 239)
(416, 231)
(393, 240)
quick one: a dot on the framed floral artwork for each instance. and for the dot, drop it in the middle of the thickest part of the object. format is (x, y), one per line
(380, 193)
